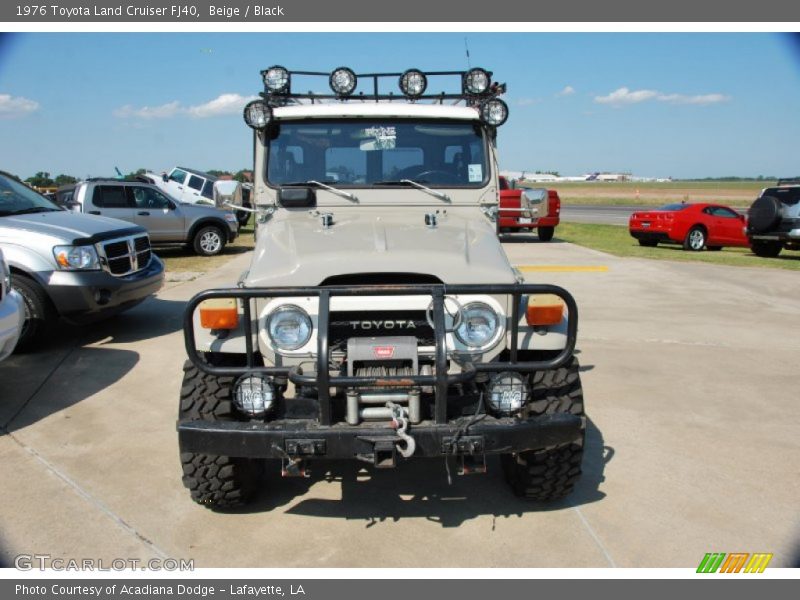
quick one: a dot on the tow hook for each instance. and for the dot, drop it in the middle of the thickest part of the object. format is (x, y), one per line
(407, 445)
(292, 466)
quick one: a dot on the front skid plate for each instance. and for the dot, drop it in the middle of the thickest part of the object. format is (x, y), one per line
(308, 439)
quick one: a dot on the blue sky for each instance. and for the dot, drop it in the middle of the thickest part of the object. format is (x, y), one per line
(681, 105)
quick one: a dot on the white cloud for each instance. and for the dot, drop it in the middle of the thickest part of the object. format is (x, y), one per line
(567, 91)
(701, 99)
(163, 111)
(13, 107)
(224, 104)
(624, 96)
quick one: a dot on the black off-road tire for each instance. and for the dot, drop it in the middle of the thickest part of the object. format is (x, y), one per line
(550, 473)
(209, 240)
(545, 233)
(648, 243)
(764, 214)
(766, 249)
(213, 481)
(40, 315)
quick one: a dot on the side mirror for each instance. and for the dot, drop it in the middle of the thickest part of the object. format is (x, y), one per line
(297, 197)
(164, 177)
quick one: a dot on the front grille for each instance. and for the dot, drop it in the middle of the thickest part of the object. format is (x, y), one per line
(123, 256)
(348, 324)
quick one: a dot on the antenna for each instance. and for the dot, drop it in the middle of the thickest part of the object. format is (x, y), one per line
(466, 47)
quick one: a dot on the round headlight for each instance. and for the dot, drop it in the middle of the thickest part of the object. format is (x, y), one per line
(343, 81)
(413, 83)
(289, 327)
(254, 395)
(508, 392)
(479, 326)
(257, 114)
(477, 81)
(276, 79)
(494, 112)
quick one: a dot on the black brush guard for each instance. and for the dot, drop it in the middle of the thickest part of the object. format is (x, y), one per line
(440, 380)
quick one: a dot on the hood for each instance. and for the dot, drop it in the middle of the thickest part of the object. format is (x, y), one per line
(296, 250)
(67, 226)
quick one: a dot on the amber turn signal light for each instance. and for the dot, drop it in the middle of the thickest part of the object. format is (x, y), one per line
(219, 313)
(544, 309)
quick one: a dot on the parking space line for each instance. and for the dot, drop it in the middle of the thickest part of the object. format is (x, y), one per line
(88, 497)
(600, 544)
(563, 268)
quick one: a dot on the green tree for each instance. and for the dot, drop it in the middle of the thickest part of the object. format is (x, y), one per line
(41, 179)
(243, 175)
(132, 175)
(65, 180)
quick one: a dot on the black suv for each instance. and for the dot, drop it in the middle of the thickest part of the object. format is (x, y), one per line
(773, 221)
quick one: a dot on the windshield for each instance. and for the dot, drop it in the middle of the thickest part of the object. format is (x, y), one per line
(18, 199)
(367, 152)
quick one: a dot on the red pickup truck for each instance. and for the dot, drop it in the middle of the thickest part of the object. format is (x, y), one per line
(528, 209)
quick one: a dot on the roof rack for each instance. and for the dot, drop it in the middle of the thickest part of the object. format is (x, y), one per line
(476, 90)
(789, 181)
(475, 86)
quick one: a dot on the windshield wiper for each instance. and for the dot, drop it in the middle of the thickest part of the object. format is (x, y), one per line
(324, 185)
(33, 209)
(415, 184)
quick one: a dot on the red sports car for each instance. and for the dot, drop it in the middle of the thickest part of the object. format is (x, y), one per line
(695, 226)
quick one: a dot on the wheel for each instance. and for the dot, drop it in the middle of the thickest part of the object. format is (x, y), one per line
(714, 248)
(766, 249)
(695, 239)
(213, 481)
(209, 241)
(648, 243)
(550, 473)
(40, 315)
(545, 233)
(764, 214)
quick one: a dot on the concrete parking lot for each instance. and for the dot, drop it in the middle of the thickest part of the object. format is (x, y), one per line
(690, 375)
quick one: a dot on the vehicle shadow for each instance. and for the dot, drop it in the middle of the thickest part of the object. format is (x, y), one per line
(78, 362)
(525, 238)
(420, 489)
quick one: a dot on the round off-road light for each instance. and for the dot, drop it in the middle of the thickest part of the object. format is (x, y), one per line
(257, 114)
(276, 79)
(343, 81)
(289, 327)
(476, 81)
(508, 392)
(494, 112)
(413, 83)
(254, 395)
(480, 325)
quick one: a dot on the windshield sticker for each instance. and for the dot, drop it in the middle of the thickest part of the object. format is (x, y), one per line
(475, 173)
(383, 138)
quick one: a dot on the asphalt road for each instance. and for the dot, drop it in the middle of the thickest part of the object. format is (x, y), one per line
(690, 379)
(605, 215)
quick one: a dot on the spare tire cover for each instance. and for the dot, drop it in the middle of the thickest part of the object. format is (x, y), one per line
(764, 214)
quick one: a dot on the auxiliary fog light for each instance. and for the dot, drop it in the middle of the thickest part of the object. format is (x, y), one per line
(343, 81)
(494, 112)
(254, 395)
(508, 392)
(413, 83)
(276, 79)
(257, 114)
(476, 82)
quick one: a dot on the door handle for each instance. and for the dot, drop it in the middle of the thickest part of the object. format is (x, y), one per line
(144, 213)
(94, 212)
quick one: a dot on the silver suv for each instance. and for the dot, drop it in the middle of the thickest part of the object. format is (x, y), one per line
(205, 228)
(70, 265)
(773, 221)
